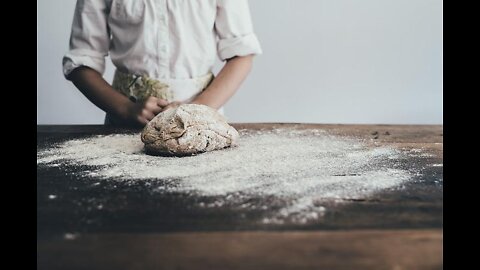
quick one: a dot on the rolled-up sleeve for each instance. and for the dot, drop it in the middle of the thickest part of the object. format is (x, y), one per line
(234, 28)
(89, 38)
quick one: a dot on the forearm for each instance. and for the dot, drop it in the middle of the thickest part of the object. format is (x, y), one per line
(99, 92)
(227, 82)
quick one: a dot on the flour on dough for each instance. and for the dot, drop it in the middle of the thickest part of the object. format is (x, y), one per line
(188, 129)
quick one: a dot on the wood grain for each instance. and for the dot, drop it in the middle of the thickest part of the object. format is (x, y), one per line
(409, 249)
(136, 229)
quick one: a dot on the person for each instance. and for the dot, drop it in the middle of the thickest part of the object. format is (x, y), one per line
(164, 52)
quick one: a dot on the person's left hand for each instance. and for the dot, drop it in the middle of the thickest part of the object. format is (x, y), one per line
(172, 105)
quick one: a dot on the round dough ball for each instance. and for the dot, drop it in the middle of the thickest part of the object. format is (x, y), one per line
(187, 130)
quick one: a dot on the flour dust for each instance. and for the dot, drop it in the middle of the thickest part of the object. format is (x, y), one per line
(306, 169)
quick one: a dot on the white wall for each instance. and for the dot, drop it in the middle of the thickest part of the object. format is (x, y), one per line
(325, 61)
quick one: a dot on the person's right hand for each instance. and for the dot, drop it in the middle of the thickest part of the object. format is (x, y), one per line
(140, 113)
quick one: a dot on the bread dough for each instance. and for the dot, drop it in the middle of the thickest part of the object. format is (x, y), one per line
(186, 130)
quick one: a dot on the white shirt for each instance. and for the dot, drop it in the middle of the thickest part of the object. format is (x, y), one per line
(163, 39)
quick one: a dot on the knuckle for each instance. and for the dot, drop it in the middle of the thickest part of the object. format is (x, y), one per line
(163, 102)
(151, 98)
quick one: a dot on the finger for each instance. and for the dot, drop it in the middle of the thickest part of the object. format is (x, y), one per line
(166, 108)
(153, 107)
(147, 114)
(142, 121)
(162, 102)
(172, 105)
(156, 110)
(150, 102)
(151, 99)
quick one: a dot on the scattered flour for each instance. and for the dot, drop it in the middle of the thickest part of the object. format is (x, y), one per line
(305, 168)
(70, 236)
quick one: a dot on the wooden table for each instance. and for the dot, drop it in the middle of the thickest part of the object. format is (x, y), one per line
(138, 230)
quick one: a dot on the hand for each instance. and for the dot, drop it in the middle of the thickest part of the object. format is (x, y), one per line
(172, 105)
(141, 113)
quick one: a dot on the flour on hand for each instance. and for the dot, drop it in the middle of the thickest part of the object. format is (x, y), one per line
(187, 130)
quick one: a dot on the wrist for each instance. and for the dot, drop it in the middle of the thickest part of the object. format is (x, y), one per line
(199, 102)
(200, 99)
(195, 101)
(123, 108)
(205, 102)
